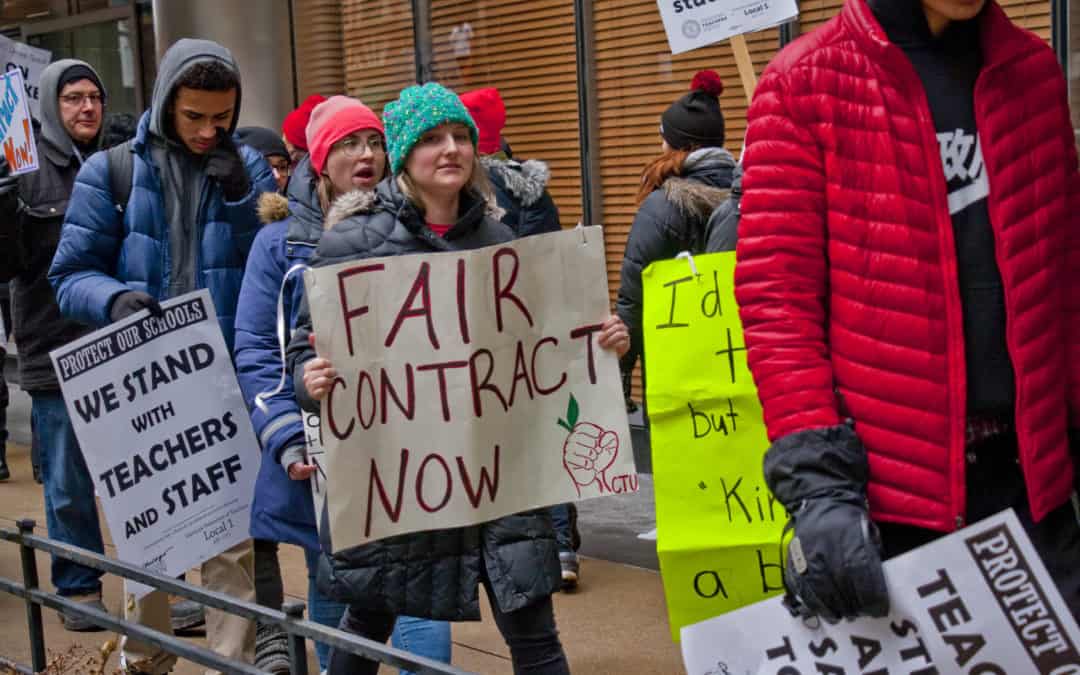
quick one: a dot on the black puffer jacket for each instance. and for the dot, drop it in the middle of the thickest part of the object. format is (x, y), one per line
(672, 219)
(521, 191)
(722, 232)
(432, 574)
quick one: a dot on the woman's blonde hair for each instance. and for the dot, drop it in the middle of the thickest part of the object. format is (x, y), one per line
(479, 184)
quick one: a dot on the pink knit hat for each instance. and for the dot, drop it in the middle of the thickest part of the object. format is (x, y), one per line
(334, 119)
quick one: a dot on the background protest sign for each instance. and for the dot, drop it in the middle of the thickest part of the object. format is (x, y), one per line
(690, 24)
(30, 61)
(469, 387)
(718, 526)
(16, 131)
(165, 433)
(317, 456)
(976, 601)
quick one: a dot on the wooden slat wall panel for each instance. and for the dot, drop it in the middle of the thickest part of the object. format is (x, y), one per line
(320, 56)
(527, 52)
(638, 78)
(379, 55)
(813, 13)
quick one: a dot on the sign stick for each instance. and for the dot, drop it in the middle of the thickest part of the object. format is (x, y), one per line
(745, 64)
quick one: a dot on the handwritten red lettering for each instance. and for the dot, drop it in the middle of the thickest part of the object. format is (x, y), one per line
(348, 314)
(330, 412)
(422, 287)
(536, 380)
(375, 481)
(409, 407)
(463, 320)
(491, 481)
(506, 292)
(478, 386)
(520, 373)
(586, 332)
(365, 377)
(441, 368)
(420, 482)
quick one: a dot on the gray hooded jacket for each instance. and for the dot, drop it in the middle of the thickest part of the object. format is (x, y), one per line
(183, 173)
(28, 241)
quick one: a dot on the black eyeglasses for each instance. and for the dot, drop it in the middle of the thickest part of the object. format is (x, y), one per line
(77, 99)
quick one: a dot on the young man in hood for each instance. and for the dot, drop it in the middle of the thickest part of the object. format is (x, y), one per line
(190, 174)
(909, 250)
(72, 105)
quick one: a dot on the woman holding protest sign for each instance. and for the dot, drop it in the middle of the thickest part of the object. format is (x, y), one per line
(347, 153)
(679, 191)
(437, 200)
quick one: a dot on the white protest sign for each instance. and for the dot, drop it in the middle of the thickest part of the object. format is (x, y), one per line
(976, 601)
(30, 61)
(165, 433)
(315, 455)
(16, 131)
(690, 24)
(469, 386)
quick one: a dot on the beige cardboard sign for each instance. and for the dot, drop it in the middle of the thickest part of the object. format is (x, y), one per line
(470, 385)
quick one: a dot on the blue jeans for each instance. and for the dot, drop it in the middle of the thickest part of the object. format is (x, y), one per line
(564, 528)
(321, 609)
(419, 636)
(70, 512)
(423, 637)
(530, 633)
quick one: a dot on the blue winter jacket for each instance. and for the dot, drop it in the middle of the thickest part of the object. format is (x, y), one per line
(103, 253)
(282, 509)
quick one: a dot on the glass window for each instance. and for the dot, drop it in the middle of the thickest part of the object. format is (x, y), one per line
(110, 47)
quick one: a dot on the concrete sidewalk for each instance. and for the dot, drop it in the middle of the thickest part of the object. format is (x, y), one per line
(615, 623)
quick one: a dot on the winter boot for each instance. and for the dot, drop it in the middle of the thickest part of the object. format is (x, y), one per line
(271, 649)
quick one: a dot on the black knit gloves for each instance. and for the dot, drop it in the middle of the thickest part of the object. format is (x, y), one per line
(833, 568)
(225, 165)
(129, 302)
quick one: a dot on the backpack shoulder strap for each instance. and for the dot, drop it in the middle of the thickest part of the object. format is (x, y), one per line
(121, 169)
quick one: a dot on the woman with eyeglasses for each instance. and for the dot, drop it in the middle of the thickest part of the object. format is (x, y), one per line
(347, 153)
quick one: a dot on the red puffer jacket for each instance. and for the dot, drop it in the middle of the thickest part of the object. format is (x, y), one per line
(847, 272)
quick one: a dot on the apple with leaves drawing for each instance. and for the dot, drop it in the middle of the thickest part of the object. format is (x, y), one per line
(589, 450)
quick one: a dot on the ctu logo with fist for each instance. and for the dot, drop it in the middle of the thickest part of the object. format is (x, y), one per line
(589, 451)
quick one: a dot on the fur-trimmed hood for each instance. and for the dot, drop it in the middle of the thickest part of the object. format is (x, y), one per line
(525, 181)
(273, 206)
(350, 204)
(387, 196)
(704, 185)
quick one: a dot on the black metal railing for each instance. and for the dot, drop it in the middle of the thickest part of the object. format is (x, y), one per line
(289, 619)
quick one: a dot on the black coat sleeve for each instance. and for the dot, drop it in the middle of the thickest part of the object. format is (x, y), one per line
(652, 238)
(541, 217)
(723, 228)
(13, 252)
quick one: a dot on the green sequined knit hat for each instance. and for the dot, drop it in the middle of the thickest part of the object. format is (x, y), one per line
(418, 109)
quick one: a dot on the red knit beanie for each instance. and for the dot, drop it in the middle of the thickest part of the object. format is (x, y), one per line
(334, 119)
(488, 111)
(295, 123)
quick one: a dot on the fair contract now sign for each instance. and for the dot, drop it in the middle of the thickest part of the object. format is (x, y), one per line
(691, 24)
